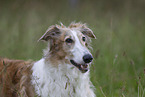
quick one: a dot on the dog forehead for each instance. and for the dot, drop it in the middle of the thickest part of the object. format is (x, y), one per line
(70, 32)
(76, 33)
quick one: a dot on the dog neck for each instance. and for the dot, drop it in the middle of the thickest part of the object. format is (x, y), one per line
(64, 79)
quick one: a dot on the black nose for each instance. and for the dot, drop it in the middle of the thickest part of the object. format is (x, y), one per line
(87, 58)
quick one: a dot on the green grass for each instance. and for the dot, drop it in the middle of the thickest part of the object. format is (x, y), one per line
(118, 69)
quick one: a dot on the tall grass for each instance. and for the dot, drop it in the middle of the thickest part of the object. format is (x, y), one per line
(118, 69)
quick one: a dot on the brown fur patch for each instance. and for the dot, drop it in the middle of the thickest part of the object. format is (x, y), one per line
(15, 78)
(56, 51)
(76, 25)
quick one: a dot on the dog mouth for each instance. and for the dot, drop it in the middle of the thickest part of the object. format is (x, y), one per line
(82, 67)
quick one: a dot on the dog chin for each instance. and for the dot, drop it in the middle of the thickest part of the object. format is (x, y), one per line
(82, 67)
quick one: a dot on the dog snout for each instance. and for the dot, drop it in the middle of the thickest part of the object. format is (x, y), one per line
(87, 58)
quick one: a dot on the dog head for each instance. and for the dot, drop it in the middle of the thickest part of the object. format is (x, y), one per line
(69, 44)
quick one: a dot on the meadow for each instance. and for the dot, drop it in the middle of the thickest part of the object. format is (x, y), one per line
(118, 69)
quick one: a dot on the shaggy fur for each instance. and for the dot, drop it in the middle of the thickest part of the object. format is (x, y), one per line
(62, 71)
(15, 78)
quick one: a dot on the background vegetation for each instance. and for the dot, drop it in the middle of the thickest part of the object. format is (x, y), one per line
(119, 50)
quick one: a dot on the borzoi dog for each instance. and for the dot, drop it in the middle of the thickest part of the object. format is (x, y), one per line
(63, 71)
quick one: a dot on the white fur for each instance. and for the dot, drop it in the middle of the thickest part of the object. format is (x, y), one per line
(79, 50)
(62, 81)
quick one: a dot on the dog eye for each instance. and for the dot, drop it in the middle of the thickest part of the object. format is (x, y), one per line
(69, 40)
(83, 38)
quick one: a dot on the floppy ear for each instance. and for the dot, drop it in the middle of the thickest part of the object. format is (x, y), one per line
(52, 32)
(88, 32)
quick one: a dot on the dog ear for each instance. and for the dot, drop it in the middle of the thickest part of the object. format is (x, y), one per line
(86, 31)
(52, 32)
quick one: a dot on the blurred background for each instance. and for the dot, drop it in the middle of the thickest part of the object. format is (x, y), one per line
(118, 69)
